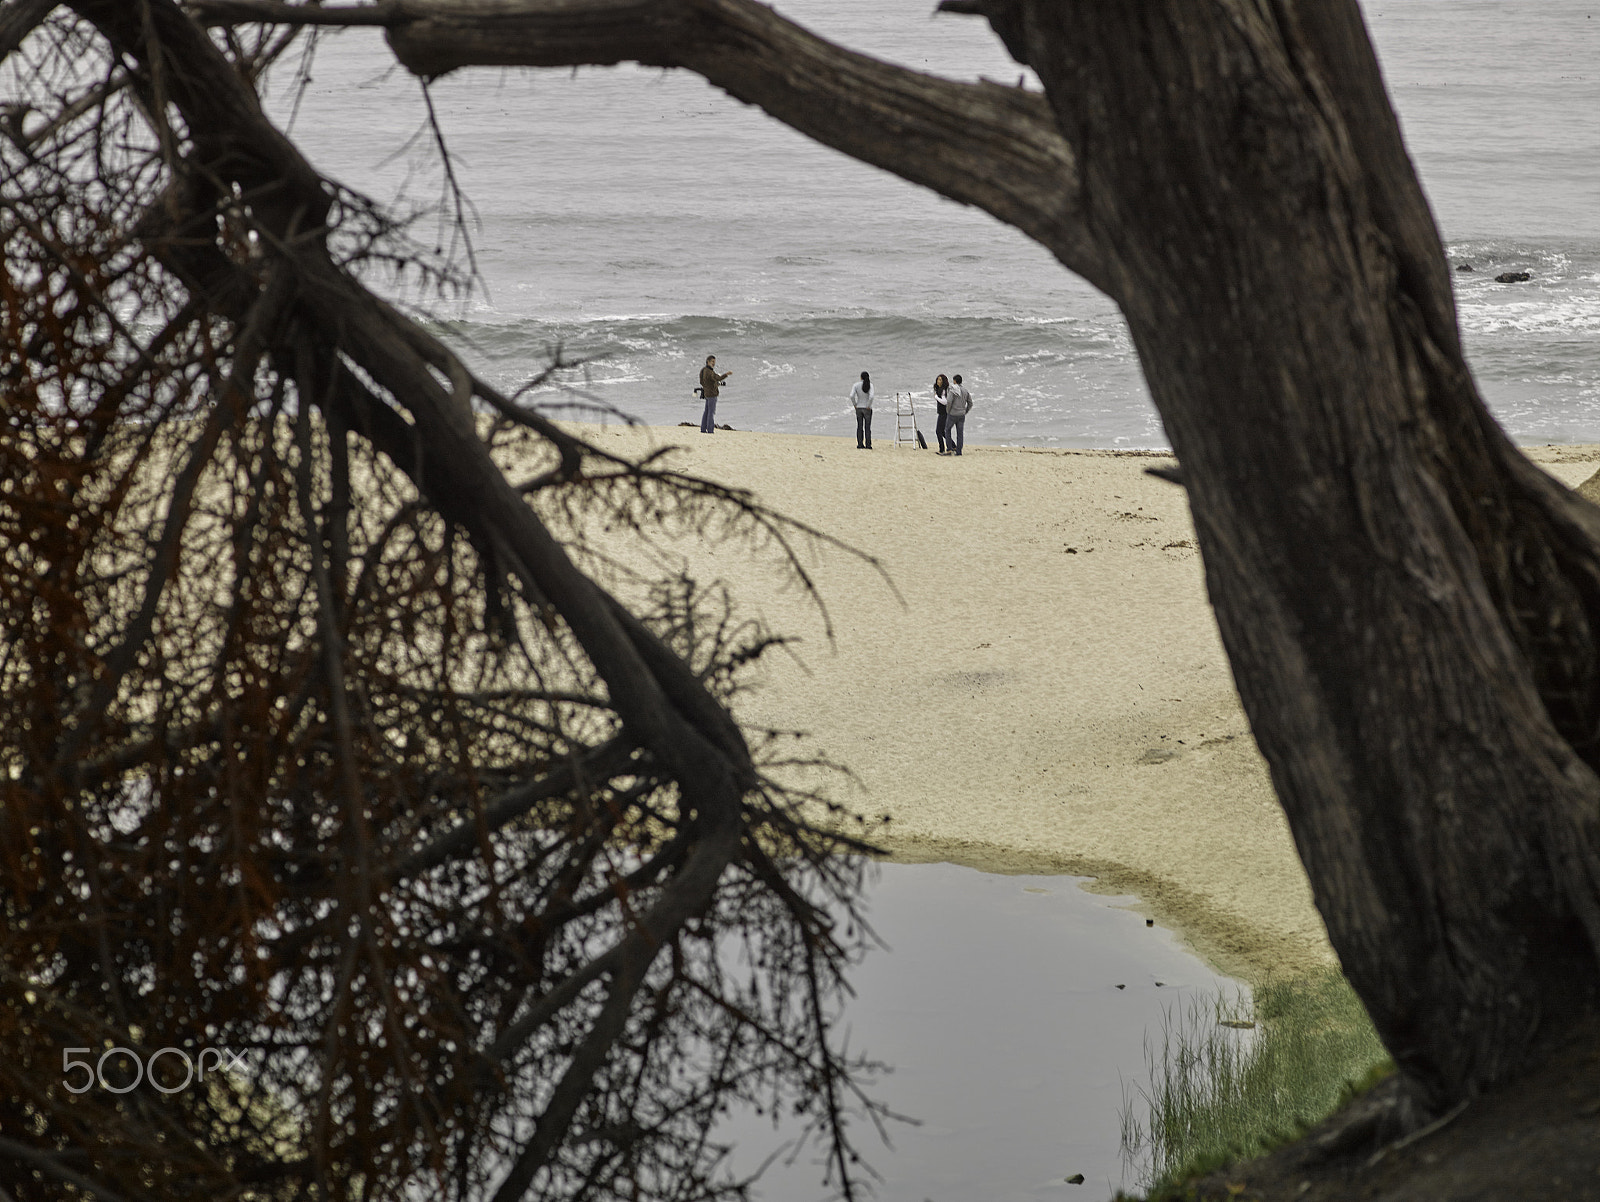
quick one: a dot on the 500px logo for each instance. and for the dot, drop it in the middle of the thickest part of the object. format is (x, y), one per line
(125, 1060)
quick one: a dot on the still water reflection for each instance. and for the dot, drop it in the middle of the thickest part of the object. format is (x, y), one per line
(998, 1003)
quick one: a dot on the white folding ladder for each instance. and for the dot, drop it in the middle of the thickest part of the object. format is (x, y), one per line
(905, 419)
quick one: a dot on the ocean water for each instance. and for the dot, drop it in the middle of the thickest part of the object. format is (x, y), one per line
(641, 219)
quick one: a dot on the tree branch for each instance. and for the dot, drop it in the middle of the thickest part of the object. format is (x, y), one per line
(275, 12)
(52, 1167)
(230, 397)
(18, 19)
(997, 148)
(982, 144)
(598, 764)
(234, 139)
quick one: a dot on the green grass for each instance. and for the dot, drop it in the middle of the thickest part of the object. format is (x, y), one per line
(1219, 1094)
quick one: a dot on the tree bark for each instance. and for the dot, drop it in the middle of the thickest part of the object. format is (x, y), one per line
(1408, 604)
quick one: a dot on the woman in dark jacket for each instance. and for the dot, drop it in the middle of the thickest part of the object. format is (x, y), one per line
(941, 385)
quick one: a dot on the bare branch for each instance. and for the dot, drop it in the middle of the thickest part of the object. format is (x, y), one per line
(995, 147)
(274, 12)
(458, 196)
(598, 764)
(52, 1167)
(19, 19)
(229, 398)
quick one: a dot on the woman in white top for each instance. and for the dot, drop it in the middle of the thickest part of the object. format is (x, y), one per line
(861, 401)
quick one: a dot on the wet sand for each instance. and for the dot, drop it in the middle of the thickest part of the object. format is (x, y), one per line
(1043, 689)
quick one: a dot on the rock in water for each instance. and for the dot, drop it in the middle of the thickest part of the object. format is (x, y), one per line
(1513, 277)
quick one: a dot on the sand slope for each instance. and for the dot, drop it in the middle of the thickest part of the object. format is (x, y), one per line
(1050, 696)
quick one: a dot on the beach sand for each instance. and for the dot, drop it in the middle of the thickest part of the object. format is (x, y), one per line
(1046, 693)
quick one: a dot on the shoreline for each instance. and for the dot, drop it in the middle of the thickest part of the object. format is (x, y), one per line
(1042, 690)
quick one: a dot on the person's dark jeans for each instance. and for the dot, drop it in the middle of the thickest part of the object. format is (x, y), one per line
(708, 419)
(940, 426)
(864, 428)
(956, 433)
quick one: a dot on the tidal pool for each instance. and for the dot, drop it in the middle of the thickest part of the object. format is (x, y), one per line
(1015, 1010)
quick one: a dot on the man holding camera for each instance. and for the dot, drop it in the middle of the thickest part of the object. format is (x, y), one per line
(710, 386)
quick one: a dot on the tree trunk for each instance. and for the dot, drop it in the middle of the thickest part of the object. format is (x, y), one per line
(1409, 606)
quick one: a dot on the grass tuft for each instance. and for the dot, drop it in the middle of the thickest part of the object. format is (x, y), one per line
(1220, 1093)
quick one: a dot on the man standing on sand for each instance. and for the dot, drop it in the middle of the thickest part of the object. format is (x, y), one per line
(710, 387)
(957, 403)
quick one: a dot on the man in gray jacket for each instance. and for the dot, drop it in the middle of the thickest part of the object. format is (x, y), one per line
(957, 403)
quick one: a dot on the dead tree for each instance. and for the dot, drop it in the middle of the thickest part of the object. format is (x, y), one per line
(321, 746)
(1409, 606)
